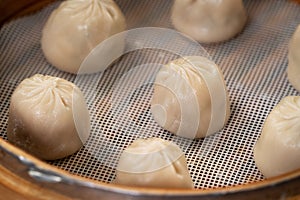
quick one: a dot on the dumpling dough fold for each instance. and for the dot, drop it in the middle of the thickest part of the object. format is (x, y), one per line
(190, 97)
(48, 117)
(209, 20)
(76, 27)
(277, 151)
(155, 163)
(293, 70)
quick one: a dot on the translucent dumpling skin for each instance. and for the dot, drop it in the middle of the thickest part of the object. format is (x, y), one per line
(154, 163)
(277, 151)
(209, 21)
(76, 27)
(293, 70)
(190, 98)
(48, 117)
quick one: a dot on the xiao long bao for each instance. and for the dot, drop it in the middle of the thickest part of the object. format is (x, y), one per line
(277, 151)
(293, 70)
(48, 117)
(154, 163)
(76, 27)
(209, 21)
(190, 98)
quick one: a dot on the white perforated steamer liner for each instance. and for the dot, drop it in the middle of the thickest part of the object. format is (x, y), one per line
(168, 44)
(253, 64)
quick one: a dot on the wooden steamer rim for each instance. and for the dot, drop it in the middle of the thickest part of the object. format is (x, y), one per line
(22, 176)
(26, 175)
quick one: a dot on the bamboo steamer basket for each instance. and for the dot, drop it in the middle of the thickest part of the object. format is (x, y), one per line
(22, 176)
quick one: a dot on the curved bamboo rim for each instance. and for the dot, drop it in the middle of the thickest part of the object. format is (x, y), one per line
(255, 186)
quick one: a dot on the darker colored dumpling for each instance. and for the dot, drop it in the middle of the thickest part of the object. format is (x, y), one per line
(48, 117)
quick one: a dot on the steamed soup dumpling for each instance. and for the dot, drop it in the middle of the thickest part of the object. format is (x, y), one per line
(154, 163)
(294, 60)
(190, 97)
(76, 27)
(48, 117)
(277, 151)
(209, 21)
